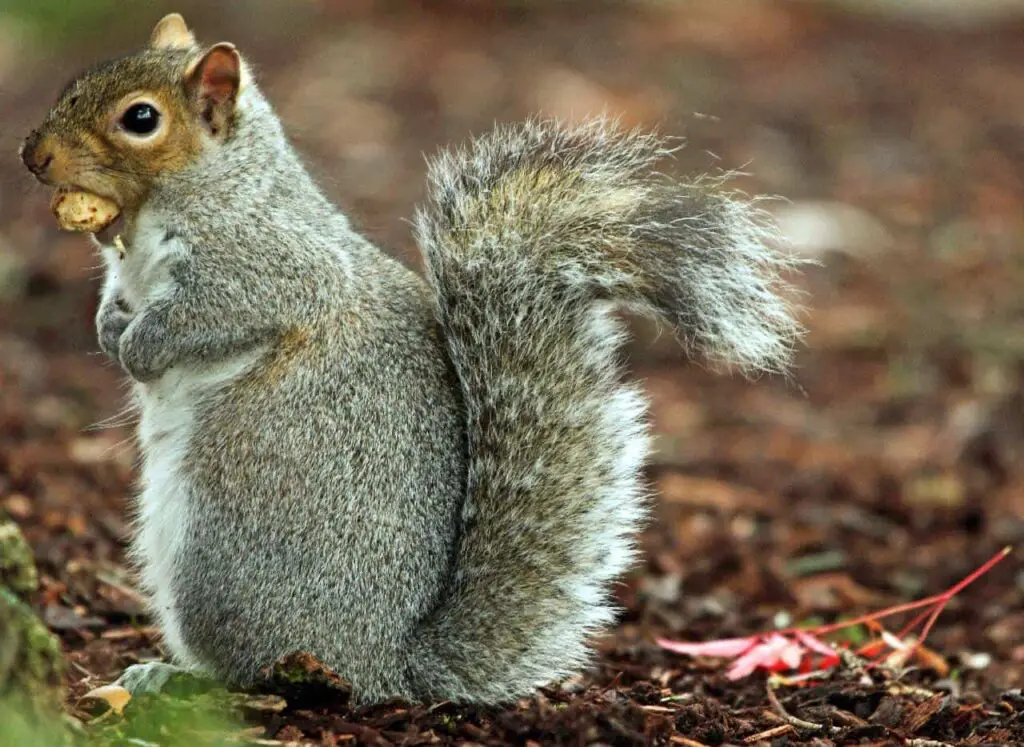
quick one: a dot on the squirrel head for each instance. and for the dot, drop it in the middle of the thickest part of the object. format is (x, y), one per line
(118, 128)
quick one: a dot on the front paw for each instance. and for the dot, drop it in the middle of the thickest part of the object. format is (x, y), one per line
(140, 355)
(147, 678)
(158, 677)
(111, 323)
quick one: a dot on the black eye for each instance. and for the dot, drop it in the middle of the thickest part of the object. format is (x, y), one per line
(140, 119)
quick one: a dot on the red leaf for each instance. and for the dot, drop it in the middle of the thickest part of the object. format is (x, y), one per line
(794, 648)
(724, 647)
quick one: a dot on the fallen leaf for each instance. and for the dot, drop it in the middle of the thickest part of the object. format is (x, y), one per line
(725, 647)
(115, 697)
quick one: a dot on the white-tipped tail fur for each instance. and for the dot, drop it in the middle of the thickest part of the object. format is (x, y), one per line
(532, 237)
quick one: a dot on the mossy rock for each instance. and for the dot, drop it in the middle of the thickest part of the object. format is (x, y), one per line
(17, 567)
(31, 663)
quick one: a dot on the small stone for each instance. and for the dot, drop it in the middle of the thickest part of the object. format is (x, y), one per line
(979, 660)
(18, 505)
(815, 229)
(936, 491)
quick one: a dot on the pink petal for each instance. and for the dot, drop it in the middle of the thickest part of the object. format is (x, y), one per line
(762, 655)
(725, 647)
(792, 654)
(829, 654)
(814, 644)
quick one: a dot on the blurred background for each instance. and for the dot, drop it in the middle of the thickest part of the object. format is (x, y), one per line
(888, 466)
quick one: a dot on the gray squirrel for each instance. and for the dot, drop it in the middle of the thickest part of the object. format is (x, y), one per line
(430, 486)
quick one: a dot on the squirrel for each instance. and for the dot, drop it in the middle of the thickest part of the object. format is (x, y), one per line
(428, 484)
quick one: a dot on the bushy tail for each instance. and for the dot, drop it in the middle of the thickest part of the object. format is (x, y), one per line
(532, 237)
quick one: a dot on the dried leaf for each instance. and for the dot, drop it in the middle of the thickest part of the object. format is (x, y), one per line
(114, 696)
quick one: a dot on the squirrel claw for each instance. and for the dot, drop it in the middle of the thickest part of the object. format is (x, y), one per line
(147, 678)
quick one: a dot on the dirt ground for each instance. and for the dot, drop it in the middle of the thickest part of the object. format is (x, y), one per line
(888, 467)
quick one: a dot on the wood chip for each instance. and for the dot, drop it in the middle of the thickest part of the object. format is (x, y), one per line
(919, 715)
(775, 731)
(676, 739)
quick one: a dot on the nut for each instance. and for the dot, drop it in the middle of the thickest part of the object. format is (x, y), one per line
(83, 211)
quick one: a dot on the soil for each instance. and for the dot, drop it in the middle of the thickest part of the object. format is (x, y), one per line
(886, 468)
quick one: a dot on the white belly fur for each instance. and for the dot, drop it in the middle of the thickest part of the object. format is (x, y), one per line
(166, 501)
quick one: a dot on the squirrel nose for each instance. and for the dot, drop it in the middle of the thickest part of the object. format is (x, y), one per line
(36, 160)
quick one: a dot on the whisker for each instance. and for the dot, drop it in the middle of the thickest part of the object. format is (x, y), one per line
(127, 416)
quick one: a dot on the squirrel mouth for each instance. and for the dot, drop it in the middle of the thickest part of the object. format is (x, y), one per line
(106, 234)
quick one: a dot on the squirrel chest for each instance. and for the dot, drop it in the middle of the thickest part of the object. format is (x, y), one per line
(167, 412)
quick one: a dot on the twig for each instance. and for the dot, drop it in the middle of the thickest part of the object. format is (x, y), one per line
(936, 600)
(89, 676)
(676, 739)
(952, 592)
(657, 709)
(786, 716)
(775, 731)
(848, 718)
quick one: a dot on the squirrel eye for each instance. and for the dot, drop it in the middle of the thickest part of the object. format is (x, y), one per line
(140, 119)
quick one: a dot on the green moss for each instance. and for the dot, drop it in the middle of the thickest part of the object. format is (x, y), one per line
(31, 663)
(20, 728)
(207, 718)
(17, 567)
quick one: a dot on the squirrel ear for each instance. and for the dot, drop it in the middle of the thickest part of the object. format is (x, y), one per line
(214, 80)
(171, 33)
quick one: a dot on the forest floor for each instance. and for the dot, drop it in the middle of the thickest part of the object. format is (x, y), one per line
(889, 465)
